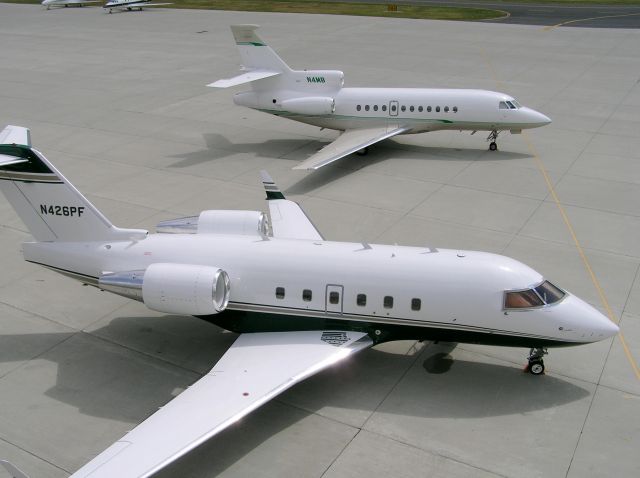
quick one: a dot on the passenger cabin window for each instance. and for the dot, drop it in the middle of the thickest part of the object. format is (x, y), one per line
(388, 302)
(455, 109)
(279, 292)
(437, 109)
(366, 108)
(446, 109)
(375, 107)
(306, 295)
(416, 304)
(428, 109)
(361, 300)
(420, 109)
(358, 107)
(411, 108)
(334, 297)
(403, 108)
(393, 108)
(384, 107)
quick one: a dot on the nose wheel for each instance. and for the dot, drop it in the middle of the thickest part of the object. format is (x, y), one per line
(493, 137)
(535, 363)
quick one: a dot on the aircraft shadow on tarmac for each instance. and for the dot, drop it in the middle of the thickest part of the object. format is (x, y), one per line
(219, 147)
(428, 383)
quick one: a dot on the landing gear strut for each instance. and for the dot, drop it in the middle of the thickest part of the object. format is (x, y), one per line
(535, 363)
(493, 136)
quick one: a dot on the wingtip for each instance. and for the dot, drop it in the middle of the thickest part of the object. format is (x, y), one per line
(270, 187)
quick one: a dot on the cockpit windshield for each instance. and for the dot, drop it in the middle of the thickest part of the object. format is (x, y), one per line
(509, 105)
(544, 294)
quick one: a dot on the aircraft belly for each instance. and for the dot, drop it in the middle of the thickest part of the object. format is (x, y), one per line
(245, 321)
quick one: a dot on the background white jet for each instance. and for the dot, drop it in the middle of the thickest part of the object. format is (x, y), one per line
(131, 5)
(300, 303)
(66, 3)
(365, 115)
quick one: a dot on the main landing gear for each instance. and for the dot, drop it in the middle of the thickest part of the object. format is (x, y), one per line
(493, 137)
(535, 363)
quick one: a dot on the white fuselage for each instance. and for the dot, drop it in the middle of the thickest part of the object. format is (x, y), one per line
(459, 292)
(422, 109)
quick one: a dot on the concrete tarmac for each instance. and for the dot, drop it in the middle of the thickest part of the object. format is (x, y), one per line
(119, 104)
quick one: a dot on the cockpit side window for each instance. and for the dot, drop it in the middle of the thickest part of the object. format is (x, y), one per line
(511, 105)
(549, 293)
(503, 105)
(522, 299)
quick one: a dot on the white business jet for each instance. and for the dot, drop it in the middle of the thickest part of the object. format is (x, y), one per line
(130, 5)
(299, 302)
(67, 3)
(365, 115)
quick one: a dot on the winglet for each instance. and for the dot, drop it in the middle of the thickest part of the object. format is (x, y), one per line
(16, 135)
(13, 471)
(272, 190)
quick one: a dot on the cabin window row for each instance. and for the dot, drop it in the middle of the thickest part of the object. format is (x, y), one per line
(361, 299)
(404, 108)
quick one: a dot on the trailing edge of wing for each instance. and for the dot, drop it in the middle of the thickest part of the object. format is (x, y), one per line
(255, 369)
(15, 135)
(247, 77)
(288, 220)
(349, 142)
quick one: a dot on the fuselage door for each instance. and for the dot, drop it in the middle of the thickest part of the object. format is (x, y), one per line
(333, 299)
(393, 108)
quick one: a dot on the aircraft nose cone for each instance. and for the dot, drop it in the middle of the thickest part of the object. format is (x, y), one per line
(543, 119)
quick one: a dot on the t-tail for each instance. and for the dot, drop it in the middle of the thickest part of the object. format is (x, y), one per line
(48, 204)
(307, 91)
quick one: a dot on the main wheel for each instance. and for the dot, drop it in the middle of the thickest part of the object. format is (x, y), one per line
(536, 367)
(493, 146)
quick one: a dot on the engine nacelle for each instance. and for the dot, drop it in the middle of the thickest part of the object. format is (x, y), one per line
(218, 222)
(184, 289)
(314, 105)
(321, 79)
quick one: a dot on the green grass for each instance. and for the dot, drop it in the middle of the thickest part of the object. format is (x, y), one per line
(334, 8)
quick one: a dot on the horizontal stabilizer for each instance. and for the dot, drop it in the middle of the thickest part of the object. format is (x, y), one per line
(248, 77)
(349, 142)
(288, 220)
(257, 367)
(15, 135)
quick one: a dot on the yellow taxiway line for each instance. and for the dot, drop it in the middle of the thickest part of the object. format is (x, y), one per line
(551, 27)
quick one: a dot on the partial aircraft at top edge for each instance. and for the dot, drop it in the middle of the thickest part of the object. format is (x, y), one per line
(365, 115)
(128, 5)
(299, 302)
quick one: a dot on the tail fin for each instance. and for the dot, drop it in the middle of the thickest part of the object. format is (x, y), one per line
(48, 204)
(258, 59)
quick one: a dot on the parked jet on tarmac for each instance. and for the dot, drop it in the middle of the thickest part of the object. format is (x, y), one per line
(365, 115)
(131, 5)
(67, 3)
(299, 302)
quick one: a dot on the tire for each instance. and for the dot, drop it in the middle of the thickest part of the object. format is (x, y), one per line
(493, 146)
(536, 367)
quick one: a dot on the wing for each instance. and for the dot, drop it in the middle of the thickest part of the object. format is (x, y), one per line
(288, 220)
(247, 77)
(15, 135)
(349, 142)
(255, 369)
(142, 4)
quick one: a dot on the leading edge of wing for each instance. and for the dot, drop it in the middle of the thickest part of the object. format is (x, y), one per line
(255, 369)
(349, 142)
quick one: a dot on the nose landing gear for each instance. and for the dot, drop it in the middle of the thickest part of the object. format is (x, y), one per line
(535, 364)
(493, 137)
